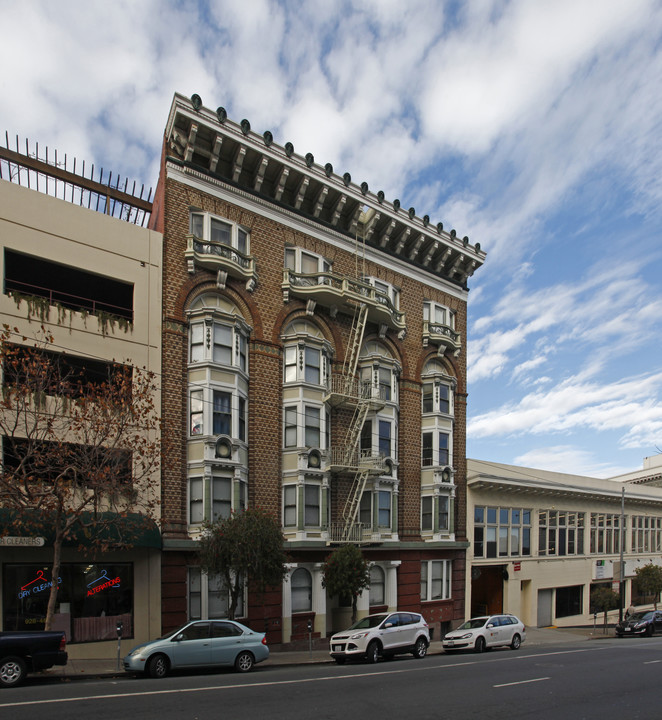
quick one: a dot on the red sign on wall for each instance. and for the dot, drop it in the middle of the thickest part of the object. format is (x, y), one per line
(517, 566)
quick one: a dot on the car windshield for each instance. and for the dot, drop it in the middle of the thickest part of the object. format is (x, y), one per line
(172, 633)
(368, 622)
(474, 623)
(640, 616)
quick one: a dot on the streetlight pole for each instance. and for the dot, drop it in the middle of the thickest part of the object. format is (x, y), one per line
(621, 586)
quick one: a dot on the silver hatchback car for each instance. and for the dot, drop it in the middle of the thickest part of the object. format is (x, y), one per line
(382, 635)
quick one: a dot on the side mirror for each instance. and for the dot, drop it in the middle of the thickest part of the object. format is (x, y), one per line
(388, 625)
(490, 625)
(179, 637)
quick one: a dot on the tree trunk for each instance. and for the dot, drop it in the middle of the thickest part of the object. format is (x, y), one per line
(354, 612)
(55, 575)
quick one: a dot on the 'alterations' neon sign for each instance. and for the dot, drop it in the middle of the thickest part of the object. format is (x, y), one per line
(102, 583)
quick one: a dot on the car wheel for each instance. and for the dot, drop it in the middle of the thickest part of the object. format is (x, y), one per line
(480, 645)
(244, 662)
(372, 654)
(12, 671)
(420, 648)
(339, 661)
(515, 642)
(158, 666)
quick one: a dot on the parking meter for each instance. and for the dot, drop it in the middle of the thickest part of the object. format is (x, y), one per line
(119, 627)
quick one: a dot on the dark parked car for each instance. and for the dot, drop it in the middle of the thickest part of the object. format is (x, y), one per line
(640, 623)
(29, 651)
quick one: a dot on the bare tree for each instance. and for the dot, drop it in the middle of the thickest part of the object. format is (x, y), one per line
(79, 452)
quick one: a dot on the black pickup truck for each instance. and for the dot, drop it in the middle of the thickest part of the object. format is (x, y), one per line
(29, 651)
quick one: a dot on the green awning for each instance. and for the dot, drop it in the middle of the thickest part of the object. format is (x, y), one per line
(132, 529)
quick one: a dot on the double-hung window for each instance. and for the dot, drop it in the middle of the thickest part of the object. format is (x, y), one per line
(384, 508)
(312, 428)
(435, 455)
(436, 580)
(427, 513)
(311, 511)
(222, 413)
(213, 229)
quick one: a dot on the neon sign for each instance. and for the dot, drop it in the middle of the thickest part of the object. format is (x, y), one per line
(103, 582)
(37, 585)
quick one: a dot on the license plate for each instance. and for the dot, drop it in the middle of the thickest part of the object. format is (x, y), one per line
(628, 629)
(450, 642)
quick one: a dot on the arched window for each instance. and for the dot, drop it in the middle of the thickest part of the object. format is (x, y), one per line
(302, 590)
(377, 583)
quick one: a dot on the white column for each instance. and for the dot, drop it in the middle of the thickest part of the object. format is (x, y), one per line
(391, 590)
(319, 600)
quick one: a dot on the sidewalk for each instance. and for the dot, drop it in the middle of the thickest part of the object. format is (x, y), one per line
(107, 667)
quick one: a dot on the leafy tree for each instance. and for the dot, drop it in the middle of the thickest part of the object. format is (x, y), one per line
(346, 573)
(604, 599)
(247, 546)
(79, 452)
(649, 580)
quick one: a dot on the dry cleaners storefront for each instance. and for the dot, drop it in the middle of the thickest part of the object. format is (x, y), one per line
(97, 592)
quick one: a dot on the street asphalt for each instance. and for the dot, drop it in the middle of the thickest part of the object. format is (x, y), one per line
(108, 667)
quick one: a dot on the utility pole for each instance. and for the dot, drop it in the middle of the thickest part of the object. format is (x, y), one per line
(621, 586)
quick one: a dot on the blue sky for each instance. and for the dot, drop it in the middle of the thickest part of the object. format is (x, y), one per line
(535, 128)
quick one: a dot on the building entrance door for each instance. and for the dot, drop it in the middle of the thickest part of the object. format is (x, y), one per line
(486, 590)
(545, 607)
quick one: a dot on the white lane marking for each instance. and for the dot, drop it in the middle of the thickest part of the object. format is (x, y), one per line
(652, 662)
(292, 682)
(522, 682)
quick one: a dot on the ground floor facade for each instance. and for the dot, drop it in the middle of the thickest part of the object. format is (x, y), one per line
(96, 595)
(426, 580)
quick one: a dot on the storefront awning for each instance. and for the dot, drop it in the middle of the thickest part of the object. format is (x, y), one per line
(131, 529)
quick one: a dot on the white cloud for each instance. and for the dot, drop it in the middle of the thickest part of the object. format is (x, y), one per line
(628, 405)
(568, 459)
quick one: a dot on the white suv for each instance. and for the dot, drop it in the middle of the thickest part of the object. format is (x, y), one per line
(382, 635)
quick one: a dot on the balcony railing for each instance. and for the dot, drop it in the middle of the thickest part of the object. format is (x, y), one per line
(441, 335)
(217, 256)
(359, 460)
(35, 295)
(332, 289)
(356, 533)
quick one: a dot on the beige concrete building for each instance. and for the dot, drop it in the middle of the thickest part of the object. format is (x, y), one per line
(541, 541)
(94, 282)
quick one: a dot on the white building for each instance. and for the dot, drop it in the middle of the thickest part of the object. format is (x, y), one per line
(541, 541)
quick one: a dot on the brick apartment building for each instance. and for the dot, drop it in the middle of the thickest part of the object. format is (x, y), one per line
(314, 364)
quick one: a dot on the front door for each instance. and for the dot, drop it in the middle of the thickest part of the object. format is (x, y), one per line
(545, 607)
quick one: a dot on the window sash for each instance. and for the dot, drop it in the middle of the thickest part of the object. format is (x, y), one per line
(196, 425)
(196, 501)
(290, 414)
(222, 420)
(313, 426)
(384, 508)
(290, 506)
(221, 497)
(222, 344)
(385, 438)
(311, 511)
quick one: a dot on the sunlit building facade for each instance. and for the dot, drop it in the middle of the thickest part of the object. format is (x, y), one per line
(314, 364)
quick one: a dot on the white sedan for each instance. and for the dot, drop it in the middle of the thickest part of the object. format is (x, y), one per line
(484, 632)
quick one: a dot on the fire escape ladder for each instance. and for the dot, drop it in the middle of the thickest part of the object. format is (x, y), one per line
(351, 511)
(355, 341)
(353, 434)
